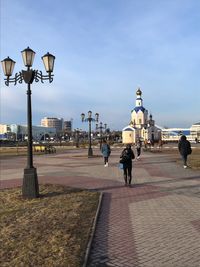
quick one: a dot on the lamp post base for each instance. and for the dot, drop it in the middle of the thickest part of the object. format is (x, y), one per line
(90, 152)
(30, 188)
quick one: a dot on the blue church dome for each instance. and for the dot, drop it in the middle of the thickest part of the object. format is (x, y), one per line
(139, 108)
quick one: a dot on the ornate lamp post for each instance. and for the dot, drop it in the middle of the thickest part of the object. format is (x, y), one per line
(30, 188)
(100, 128)
(89, 120)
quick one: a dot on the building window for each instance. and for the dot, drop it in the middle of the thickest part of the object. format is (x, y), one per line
(140, 121)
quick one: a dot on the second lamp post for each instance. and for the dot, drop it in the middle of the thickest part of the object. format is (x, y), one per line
(89, 119)
(101, 128)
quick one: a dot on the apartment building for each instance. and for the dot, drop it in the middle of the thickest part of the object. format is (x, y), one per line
(56, 123)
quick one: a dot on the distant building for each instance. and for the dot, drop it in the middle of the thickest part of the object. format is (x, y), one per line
(67, 126)
(173, 134)
(141, 126)
(56, 123)
(5, 132)
(195, 131)
(4, 128)
(19, 132)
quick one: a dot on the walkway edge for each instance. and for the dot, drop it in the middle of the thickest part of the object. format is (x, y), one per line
(92, 232)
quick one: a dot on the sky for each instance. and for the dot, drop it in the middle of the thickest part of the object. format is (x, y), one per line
(105, 50)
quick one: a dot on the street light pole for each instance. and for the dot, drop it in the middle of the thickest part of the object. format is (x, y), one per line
(100, 128)
(30, 187)
(90, 152)
(77, 137)
(29, 129)
(90, 120)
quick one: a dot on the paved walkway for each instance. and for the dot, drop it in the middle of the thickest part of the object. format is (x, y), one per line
(155, 223)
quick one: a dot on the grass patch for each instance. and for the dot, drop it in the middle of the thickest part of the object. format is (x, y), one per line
(52, 230)
(193, 159)
(13, 151)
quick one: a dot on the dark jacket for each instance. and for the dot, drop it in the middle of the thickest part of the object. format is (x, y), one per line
(138, 144)
(184, 146)
(126, 156)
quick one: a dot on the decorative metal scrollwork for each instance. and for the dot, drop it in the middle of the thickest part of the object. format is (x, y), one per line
(41, 77)
(18, 78)
(38, 76)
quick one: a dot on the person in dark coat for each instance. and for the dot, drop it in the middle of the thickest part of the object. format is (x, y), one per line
(127, 156)
(184, 148)
(138, 147)
(105, 150)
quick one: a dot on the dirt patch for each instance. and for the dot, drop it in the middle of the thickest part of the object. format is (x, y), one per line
(52, 230)
(193, 159)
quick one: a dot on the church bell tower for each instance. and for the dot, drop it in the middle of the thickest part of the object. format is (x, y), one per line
(139, 114)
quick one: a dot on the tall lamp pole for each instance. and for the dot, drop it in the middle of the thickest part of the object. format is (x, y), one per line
(30, 187)
(100, 128)
(89, 120)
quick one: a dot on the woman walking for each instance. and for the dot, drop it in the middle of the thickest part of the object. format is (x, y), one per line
(127, 156)
(105, 150)
(138, 147)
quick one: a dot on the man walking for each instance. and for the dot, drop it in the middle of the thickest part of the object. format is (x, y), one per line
(184, 148)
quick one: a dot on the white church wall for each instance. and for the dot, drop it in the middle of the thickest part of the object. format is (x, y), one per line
(138, 118)
(128, 137)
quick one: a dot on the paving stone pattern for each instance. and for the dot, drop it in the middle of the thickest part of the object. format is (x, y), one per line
(154, 223)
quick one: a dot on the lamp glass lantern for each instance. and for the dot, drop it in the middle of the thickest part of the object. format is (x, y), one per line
(28, 57)
(48, 60)
(82, 116)
(8, 66)
(97, 116)
(89, 114)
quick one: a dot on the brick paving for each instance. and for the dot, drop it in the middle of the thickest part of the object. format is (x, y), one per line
(155, 223)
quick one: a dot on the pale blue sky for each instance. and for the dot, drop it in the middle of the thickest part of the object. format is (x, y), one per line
(104, 50)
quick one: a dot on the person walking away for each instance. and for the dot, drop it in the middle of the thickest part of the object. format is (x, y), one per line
(127, 156)
(145, 143)
(138, 147)
(184, 148)
(105, 150)
(160, 143)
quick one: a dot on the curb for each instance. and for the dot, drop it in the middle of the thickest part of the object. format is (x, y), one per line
(92, 232)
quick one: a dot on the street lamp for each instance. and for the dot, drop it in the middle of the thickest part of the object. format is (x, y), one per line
(30, 187)
(100, 128)
(89, 120)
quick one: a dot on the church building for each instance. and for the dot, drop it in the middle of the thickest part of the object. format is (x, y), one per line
(141, 125)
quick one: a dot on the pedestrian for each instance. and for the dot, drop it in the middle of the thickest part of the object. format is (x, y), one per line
(145, 143)
(184, 148)
(127, 156)
(105, 150)
(138, 147)
(160, 143)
